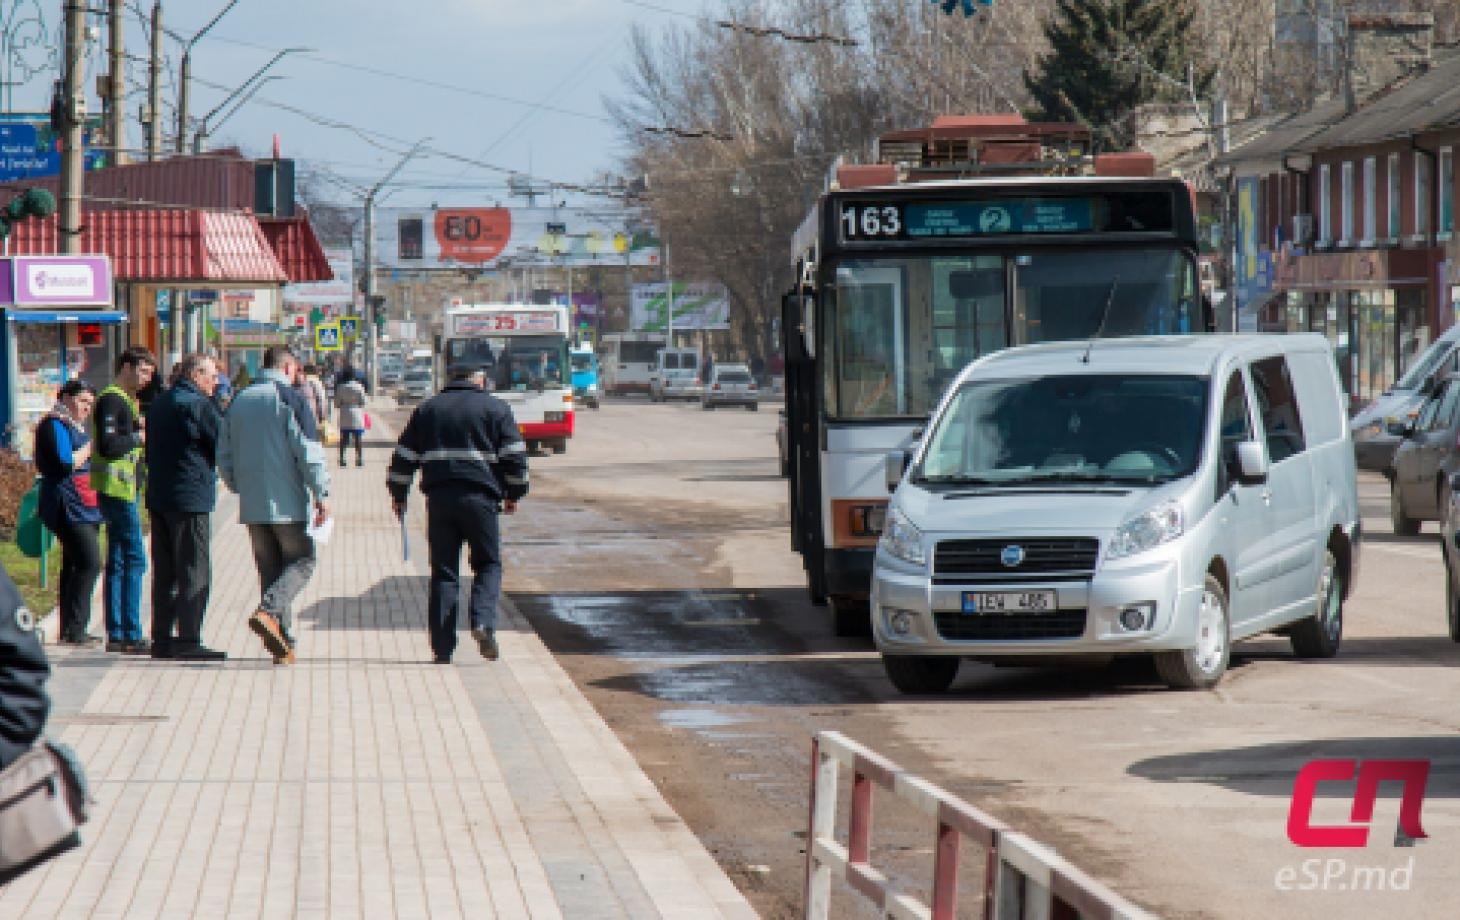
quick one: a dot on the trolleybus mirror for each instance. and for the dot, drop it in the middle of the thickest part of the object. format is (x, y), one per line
(808, 325)
(896, 465)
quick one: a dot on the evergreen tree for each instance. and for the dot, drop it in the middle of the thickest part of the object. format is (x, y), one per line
(1107, 57)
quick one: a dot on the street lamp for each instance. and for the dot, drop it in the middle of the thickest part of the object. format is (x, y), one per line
(370, 303)
(186, 77)
(204, 130)
(250, 85)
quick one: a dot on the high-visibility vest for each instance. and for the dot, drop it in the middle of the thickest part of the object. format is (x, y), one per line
(116, 478)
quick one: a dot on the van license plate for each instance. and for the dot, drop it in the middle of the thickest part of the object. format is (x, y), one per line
(995, 602)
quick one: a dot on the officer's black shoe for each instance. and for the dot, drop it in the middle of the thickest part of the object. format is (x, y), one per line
(487, 642)
(162, 648)
(198, 653)
(82, 640)
(441, 659)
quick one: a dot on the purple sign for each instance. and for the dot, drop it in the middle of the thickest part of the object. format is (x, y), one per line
(56, 281)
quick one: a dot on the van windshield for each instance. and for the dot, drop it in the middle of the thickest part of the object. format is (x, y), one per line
(1131, 428)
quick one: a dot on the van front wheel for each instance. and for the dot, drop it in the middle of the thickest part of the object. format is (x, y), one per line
(1320, 635)
(920, 674)
(1201, 666)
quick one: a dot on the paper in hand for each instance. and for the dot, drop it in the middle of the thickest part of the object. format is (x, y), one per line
(322, 533)
(405, 540)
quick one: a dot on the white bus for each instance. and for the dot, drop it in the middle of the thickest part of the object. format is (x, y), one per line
(525, 351)
(628, 361)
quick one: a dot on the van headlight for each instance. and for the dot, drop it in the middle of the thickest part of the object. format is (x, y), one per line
(901, 540)
(1147, 530)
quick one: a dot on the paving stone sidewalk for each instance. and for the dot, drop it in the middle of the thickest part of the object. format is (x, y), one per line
(364, 781)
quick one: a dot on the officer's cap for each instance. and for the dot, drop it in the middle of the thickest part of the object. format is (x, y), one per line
(465, 367)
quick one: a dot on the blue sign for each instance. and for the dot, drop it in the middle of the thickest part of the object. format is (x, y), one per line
(350, 327)
(202, 296)
(29, 148)
(1028, 215)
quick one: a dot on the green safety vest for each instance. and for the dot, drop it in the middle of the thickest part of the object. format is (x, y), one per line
(115, 478)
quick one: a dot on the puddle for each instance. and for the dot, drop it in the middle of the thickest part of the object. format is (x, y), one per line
(698, 719)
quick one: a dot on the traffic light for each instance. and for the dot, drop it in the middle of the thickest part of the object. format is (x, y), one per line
(968, 7)
(35, 202)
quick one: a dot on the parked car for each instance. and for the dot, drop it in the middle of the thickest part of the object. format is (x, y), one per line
(1424, 460)
(1375, 426)
(417, 384)
(730, 385)
(676, 375)
(1450, 550)
(1157, 496)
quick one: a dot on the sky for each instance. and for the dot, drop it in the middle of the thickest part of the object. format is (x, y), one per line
(470, 71)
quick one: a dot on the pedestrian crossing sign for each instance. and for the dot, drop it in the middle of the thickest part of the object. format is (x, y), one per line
(327, 337)
(349, 327)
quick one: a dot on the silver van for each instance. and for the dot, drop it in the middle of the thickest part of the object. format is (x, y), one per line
(1155, 496)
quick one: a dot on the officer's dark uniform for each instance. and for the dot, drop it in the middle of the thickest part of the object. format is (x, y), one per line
(471, 457)
(23, 674)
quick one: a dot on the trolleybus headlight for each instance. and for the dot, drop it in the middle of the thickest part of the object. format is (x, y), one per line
(901, 540)
(1147, 530)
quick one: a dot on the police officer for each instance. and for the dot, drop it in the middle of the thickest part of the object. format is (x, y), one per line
(473, 466)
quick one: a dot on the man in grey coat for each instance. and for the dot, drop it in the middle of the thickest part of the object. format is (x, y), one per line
(277, 467)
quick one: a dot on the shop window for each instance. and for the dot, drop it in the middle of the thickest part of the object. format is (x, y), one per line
(1447, 191)
(1393, 196)
(1346, 202)
(1421, 195)
(1371, 196)
(1325, 204)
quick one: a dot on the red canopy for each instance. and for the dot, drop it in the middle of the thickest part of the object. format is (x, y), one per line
(167, 246)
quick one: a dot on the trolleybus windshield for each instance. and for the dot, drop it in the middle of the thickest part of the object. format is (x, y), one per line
(898, 329)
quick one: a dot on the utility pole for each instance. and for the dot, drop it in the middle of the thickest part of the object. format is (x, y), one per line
(73, 106)
(669, 309)
(116, 82)
(186, 78)
(372, 338)
(154, 86)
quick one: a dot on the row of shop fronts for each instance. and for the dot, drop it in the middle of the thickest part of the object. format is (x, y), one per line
(1379, 309)
(218, 272)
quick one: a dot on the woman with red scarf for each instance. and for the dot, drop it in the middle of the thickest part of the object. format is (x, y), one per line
(68, 504)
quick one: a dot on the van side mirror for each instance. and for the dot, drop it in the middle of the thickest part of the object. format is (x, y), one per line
(1251, 463)
(896, 464)
(1400, 428)
(1429, 384)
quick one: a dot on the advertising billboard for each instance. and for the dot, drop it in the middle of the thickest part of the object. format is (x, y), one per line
(496, 237)
(697, 305)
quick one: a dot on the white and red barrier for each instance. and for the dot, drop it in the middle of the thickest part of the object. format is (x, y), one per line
(1025, 879)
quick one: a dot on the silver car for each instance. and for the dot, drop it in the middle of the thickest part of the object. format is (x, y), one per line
(1161, 497)
(730, 385)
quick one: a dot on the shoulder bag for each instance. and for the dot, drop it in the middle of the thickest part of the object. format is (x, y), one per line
(43, 799)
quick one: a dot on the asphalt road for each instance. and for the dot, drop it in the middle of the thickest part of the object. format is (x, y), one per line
(653, 558)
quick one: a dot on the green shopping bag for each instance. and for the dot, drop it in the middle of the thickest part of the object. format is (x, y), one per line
(30, 534)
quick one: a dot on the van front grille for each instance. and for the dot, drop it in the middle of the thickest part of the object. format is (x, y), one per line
(1061, 624)
(1040, 555)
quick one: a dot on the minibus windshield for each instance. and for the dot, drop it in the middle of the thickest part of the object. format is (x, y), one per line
(1126, 428)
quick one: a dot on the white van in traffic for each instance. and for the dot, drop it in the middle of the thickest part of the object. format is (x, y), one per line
(1161, 496)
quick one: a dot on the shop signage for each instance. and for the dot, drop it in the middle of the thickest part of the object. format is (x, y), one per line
(56, 281)
(1361, 270)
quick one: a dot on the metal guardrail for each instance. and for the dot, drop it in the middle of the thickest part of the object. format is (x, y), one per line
(1025, 879)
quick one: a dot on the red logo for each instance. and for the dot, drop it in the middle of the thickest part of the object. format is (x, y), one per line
(1412, 773)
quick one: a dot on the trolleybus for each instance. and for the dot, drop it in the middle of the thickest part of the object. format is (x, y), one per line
(525, 352)
(965, 238)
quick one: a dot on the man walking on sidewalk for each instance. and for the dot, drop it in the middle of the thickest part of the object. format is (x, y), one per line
(275, 466)
(182, 488)
(118, 436)
(473, 465)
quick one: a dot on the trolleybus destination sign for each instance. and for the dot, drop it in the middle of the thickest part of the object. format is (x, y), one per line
(1120, 212)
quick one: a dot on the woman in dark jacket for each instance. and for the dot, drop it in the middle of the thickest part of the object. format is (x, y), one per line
(68, 504)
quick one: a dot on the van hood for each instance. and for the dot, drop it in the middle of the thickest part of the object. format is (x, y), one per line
(1056, 509)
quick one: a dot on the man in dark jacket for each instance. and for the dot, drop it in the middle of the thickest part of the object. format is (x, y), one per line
(473, 465)
(23, 673)
(119, 435)
(182, 488)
